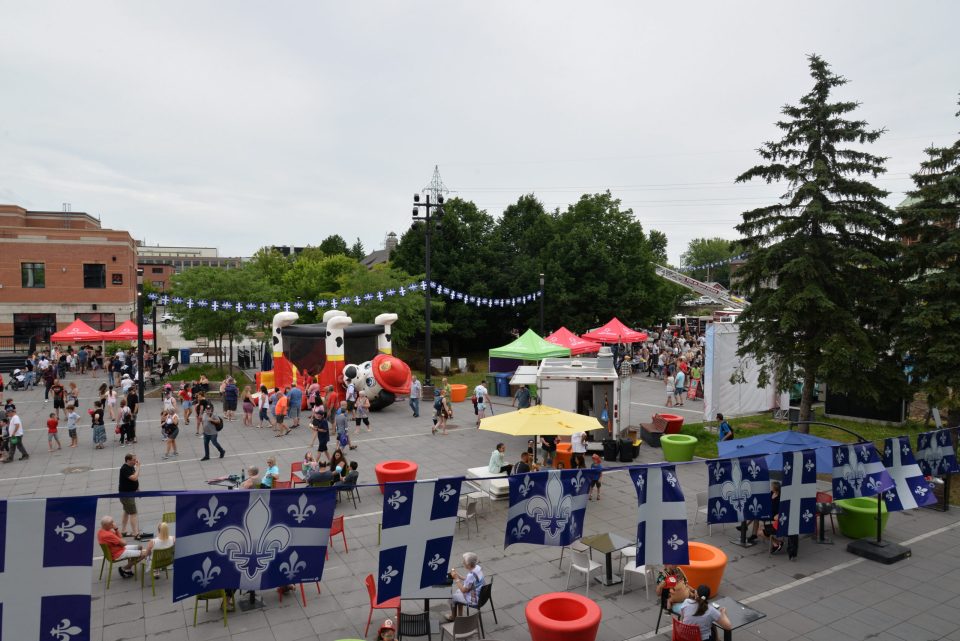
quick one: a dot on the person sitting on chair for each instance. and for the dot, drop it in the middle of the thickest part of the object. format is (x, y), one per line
(252, 481)
(700, 613)
(350, 478)
(466, 589)
(672, 579)
(497, 465)
(322, 475)
(109, 535)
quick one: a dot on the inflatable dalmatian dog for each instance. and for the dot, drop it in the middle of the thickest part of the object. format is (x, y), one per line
(383, 377)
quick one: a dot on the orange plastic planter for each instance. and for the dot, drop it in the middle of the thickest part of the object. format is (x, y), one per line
(563, 616)
(393, 471)
(707, 564)
(562, 456)
(458, 393)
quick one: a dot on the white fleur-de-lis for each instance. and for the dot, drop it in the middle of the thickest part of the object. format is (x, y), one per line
(786, 469)
(854, 473)
(520, 530)
(577, 482)
(70, 529)
(213, 512)
(889, 496)
(671, 479)
(640, 481)
(389, 574)
(65, 631)
(755, 507)
(396, 499)
(525, 486)
(552, 511)
(718, 510)
(873, 484)
(436, 562)
(447, 492)
(782, 523)
(921, 490)
(293, 566)
(253, 547)
(809, 465)
(887, 451)
(675, 542)
(841, 488)
(905, 449)
(754, 469)
(736, 491)
(574, 527)
(718, 471)
(302, 510)
(863, 452)
(840, 456)
(807, 515)
(207, 573)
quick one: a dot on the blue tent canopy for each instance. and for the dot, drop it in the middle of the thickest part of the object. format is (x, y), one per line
(778, 442)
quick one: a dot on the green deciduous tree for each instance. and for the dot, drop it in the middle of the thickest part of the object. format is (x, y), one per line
(334, 244)
(709, 258)
(820, 268)
(930, 223)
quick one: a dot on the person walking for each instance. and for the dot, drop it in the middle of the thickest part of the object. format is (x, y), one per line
(343, 430)
(212, 424)
(670, 388)
(15, 432)
(483, 400)
(280, 411)
(263, 405)
(247, 404)
(129, 484)
(171, 430)
(521, 400)
(363, 410)
(416, 392)
(99, 431)
(295, 399)
(231, 394)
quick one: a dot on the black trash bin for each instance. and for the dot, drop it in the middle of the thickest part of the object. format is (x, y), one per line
(610, 450)
(626, 451)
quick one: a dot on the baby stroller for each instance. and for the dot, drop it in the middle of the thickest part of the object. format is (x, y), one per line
(16, 382)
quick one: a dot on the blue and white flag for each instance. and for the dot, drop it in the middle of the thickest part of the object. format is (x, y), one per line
(419, 520)
(910, 489)
(858, 471)
(252, 540)
(936, 453)
(739, 490)
(798, 493)
(548, 508)
(662, 518)
(46, 553)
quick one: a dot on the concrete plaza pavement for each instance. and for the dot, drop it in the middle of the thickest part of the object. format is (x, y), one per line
(826, 594)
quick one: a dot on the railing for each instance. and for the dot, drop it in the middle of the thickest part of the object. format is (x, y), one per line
(14, 344)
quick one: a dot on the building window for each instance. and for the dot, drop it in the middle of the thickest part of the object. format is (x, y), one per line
(116, 279)
(156, 270)
(159, 284)
(100, 322)
(94, 276)
(32, 275)
(38, 327)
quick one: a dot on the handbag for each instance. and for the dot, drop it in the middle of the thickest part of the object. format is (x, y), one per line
(342, 439)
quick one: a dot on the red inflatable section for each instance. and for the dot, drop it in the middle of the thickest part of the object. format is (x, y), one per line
(392, 373)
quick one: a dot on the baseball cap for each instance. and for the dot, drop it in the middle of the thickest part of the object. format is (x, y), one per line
(387, 625)
(670, 582)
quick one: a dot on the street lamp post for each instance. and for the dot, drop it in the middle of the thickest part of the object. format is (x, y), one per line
(541, 306)
(140, 377)
(432, 213)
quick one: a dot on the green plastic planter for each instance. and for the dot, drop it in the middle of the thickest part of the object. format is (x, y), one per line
(678, 447)
(859, 517)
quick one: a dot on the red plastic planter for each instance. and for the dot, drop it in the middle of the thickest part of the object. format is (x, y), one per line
(393, 471)
(563, 616)
(674, 423)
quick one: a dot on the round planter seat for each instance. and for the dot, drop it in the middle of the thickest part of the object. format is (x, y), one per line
(394, 471)
(678, 447)
(562, 616)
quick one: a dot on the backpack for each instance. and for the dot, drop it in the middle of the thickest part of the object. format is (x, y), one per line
(438, 403)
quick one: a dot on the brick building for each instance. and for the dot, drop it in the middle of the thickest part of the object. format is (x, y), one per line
(56, 267)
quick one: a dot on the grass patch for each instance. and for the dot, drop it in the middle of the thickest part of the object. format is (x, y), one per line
(212, 372)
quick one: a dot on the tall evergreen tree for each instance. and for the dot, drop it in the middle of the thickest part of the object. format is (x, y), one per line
(819, 271)
(930, 225)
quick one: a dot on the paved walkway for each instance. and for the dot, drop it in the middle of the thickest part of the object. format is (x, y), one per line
(827, 594)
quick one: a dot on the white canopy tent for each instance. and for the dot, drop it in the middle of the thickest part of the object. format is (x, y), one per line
(719, 394)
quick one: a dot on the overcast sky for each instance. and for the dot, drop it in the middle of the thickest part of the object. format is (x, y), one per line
(240, 124)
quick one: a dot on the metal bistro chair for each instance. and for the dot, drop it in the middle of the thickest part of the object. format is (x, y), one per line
(351, 489)
(463, 627)
(685, 631)
(467, 512)
(414, 625)
(169, 517)
(160, 560)
(485, 596)
(207, 597)
(109, 559)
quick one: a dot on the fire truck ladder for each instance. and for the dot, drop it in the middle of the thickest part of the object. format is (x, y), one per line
(717, 294)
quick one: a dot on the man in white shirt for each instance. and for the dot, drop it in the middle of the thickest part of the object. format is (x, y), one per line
(483, 400)
(15, 430)
(578, 443)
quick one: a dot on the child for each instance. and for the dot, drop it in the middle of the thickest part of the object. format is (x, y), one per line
(387, 632)
(670, 389)
(73, 395)
(72, 419)
(596, 465)
(52, 424)
(309, 464)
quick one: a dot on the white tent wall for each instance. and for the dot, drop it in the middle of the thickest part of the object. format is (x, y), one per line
(719, 394)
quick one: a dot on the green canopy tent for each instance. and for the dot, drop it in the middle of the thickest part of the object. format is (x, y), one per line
(504, 361)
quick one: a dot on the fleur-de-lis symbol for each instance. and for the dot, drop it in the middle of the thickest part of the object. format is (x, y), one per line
(671, 479)
(754, 469)
(854, 475)
(574, 527)
(807, 515)
(212, 513)
(905, 450)
(809, 465)
(389, 574)
(675, 542)
(889, 496)
(520, 530)
(717, 471)
(841, 488)
(887, 452)
(736, 491)
(577, 482)
(301, 511)
(840, 456)
(718, 510)
(782, 523)
(69, 529)
(293, 566)
(553, 512)
(786, 469)
(755, 507)
(257, 544)
(436, 562)
(207, 573)
(396, 499)
(873, 484)
(65, 631)
(863, 452)
(525, 485)
(921, 490)
(447, 492)
(640, 481)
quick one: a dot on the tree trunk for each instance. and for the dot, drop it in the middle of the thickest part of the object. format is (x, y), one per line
(230, 355)
(806, 398)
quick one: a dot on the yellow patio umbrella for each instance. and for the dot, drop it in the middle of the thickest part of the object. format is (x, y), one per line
(537, 420)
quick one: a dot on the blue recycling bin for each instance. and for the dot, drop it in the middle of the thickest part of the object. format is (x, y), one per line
(185, 356)
(503, 384)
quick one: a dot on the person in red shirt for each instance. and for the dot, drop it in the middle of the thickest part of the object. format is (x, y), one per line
(109, 535)
(52, 424)
(283, 404)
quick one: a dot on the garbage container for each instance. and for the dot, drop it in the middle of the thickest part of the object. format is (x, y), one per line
(626, 451)
(185, 356)
(503, 384)
(610, 450)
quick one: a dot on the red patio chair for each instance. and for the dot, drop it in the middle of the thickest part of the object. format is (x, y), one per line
(392, 604)
(336, 527)
(685, 631)
(296, 466)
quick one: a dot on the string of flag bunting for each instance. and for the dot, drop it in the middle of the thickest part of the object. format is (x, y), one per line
(344, 301)
(720, 263)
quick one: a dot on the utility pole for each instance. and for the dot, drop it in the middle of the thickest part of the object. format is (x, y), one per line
(141, 383)
(541, 306)
(433, 211)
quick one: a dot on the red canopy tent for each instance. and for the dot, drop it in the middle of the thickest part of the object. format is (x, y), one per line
(615, 332)
(127, 331)
(565, 338)
(76, 332)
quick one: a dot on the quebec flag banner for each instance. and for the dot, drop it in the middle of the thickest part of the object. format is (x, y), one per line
(548, 508)
(662, 521)
(858, 471)
(46, 553)
(419, 520)
(936, 453)
(739, 490)
(910, 490)
(254, 540)
(798, 493)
